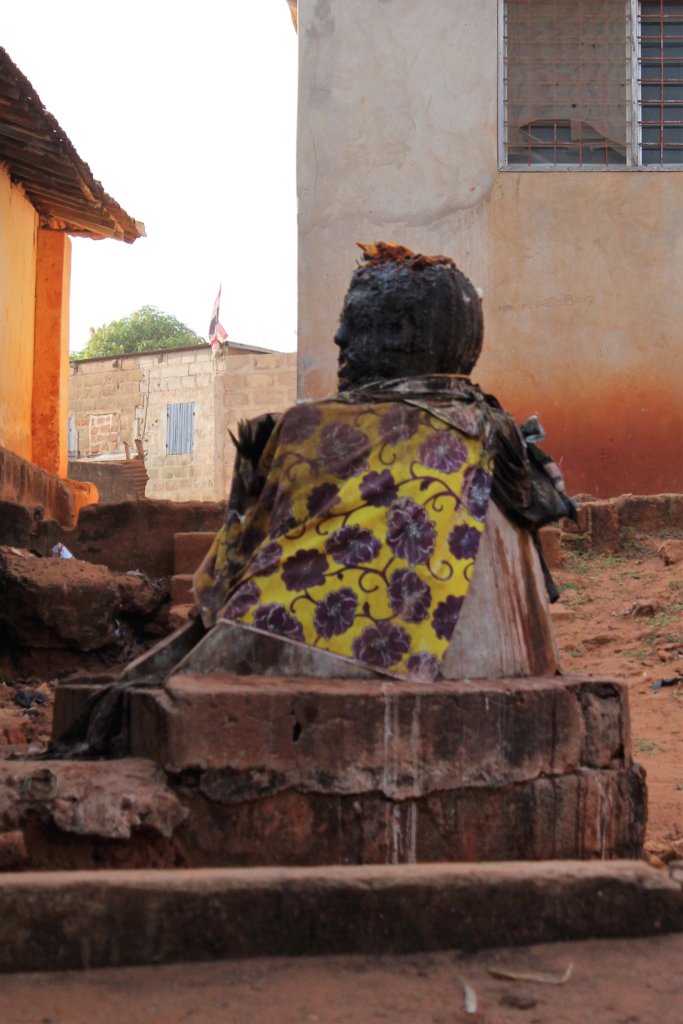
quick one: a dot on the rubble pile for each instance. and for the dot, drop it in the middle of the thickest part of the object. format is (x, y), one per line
(59, 614)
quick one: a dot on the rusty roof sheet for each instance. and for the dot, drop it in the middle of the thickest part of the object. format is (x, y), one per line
(39, 157)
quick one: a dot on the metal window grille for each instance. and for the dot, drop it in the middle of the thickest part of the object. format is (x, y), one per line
(72, 436)
(179, 428)
(592, 84)
(660, 120)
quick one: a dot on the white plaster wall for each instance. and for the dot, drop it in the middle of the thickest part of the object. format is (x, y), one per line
(387, 147)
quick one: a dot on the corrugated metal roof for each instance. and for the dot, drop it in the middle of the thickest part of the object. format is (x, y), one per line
(39, 157)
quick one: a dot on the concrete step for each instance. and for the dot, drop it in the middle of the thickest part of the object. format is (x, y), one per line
(112, 918)
(181, 589)
(180, 615)
(189, 549)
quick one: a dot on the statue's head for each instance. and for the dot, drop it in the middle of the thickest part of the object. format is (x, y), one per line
(405, 315)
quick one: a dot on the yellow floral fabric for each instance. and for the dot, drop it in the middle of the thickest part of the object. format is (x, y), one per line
(364, 536)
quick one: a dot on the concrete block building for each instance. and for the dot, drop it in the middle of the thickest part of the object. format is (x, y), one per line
(180, 403)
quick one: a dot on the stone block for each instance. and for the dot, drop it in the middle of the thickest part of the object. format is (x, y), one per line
(42, 601)
(98, 800)
(181, 589)
(650, 513)
(604, 526)
(401, 739)
(582, 814)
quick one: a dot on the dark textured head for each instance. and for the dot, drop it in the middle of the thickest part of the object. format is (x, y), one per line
(406, 315)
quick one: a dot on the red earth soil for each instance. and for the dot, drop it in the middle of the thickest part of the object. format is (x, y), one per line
(621, 981)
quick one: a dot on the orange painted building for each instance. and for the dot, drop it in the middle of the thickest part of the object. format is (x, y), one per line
(47, 193)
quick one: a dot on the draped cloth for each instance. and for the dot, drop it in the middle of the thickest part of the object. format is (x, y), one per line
(362, 535)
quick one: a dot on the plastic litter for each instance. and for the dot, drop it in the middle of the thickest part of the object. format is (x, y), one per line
(27, 698)
(542, 977)
(470, 997)
(661, 683)
(61, 551)
(532, 430)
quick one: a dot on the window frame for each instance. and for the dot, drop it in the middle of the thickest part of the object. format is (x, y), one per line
(634, 151)
(169, 416)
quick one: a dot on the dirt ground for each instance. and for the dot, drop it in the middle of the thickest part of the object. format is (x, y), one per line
(620, 616)
(634, 981)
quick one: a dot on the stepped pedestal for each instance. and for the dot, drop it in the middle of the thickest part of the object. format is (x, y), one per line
(303, 771)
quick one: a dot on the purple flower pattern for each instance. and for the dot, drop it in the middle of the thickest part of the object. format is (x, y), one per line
(304, 569)
(476, 491)
(343, 450)
(463, 541)
(274, 618)
(445, 617)
(409, 596)
(244, 598)
(281, 517)
(352, 545)
(423, 666)
(322, 499)
(411, 534)
(378, 489)
(266, 560)
(443, 451)
(335, 613)
(398, 423)
(409, 606)
(381, 645)
(299, 423)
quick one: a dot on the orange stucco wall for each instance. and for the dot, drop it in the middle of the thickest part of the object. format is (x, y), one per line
(18, 228)
(51, 352)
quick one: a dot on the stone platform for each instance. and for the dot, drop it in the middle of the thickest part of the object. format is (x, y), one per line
(304, 772)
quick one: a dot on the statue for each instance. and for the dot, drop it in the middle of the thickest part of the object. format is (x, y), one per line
(363, 531)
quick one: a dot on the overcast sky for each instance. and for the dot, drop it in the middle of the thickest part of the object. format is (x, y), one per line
(186, 112)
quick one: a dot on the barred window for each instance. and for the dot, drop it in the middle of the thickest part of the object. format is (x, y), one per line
(592, 84)
(179, 428)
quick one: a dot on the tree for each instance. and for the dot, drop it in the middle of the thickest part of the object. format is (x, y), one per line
(145, 330)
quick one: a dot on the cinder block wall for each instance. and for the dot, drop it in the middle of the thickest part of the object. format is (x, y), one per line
(103, 392)
(250, 385)
(116, 400)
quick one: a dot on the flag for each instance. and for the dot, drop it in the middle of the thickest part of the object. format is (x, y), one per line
(217, 333)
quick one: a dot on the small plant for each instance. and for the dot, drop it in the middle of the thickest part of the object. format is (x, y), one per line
(609, 562)
(632, 544)
(646, 746)
(579, 563)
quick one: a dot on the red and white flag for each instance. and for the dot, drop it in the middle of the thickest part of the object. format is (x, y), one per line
(217, 333)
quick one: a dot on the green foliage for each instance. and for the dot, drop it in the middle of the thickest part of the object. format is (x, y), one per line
(146, 330)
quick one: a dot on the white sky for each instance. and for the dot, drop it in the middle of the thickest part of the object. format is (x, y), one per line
(186, 112)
